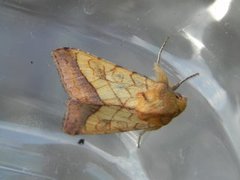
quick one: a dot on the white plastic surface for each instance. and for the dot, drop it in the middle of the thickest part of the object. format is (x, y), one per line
(203, 143)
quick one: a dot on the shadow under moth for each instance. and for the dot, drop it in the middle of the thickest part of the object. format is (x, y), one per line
(107, 98)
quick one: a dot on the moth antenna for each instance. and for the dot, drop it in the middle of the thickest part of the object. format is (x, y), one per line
(140, 138)
(182, 81)
(161, 49)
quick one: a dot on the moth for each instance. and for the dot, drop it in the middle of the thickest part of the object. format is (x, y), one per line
(107, 98)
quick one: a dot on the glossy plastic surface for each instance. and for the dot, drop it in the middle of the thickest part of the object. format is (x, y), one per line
(202, 143)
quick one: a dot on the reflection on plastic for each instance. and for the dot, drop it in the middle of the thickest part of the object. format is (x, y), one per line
(219, 9)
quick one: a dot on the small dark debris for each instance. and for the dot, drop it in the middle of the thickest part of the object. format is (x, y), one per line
(31, 62)
(81, 141)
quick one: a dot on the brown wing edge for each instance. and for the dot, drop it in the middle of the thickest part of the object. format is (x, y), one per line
(74, 82)
(77, 115)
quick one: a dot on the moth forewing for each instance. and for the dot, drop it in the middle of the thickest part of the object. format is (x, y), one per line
(93, 119)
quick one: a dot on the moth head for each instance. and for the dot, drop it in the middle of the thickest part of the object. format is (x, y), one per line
(181, 102)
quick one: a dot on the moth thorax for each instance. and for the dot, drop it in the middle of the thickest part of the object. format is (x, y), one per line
(159, 102)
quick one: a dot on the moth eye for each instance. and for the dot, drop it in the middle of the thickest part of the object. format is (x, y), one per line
(178, 96)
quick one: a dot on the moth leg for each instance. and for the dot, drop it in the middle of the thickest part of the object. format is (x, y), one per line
(160, 74)
(174, 87)
(140, 138)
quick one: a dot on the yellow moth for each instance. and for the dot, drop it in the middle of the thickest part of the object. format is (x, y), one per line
(107, 98)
